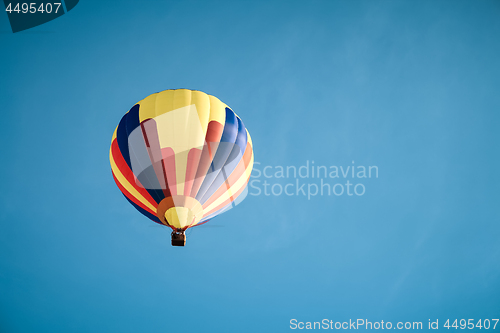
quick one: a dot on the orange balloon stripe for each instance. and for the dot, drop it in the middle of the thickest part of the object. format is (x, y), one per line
(168, 156)
(191, 168)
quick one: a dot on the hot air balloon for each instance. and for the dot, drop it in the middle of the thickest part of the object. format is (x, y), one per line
(181, 157)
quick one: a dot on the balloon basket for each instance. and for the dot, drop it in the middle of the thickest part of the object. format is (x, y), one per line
(178, 238)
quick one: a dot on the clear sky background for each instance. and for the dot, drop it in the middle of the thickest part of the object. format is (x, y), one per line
(409, 86)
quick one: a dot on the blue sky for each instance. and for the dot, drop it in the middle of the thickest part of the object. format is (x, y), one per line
(408, 86)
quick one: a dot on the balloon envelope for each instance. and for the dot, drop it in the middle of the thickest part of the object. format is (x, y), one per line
(181, 157)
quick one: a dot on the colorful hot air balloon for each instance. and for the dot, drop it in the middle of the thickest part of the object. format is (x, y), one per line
(181, 157)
